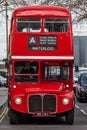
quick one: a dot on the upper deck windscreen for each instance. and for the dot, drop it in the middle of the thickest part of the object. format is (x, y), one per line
(28, 24)
(35, 24)
(56, 25)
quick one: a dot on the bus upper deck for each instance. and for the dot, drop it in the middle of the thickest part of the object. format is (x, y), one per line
(41, 31)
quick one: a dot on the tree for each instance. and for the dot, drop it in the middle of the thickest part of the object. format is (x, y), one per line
(78, 7)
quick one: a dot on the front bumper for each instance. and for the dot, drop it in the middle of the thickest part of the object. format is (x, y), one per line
(43, 104)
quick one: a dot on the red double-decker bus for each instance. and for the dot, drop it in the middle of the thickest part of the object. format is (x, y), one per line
(41, 60)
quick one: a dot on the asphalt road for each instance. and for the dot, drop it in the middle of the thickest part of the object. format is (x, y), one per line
(80, 121)
(3, 95)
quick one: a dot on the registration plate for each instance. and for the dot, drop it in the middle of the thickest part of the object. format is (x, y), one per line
(41, 114)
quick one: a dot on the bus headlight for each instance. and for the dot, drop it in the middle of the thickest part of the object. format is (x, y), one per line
(65, 101)
(18, 100)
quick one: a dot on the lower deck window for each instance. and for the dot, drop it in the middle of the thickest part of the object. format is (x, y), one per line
(26, 78)
(26, 71)
(57, 73)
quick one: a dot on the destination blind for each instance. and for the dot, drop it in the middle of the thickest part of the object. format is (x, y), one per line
(42, 42)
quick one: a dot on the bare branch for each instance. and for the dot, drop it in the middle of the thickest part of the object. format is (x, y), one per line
(78, 7)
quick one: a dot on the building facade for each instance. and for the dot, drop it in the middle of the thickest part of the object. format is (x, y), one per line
(80, 50)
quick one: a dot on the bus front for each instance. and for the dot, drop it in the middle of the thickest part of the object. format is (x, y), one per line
(41, 37)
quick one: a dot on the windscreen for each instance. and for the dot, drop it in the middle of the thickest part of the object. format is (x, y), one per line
(35, 24)
(28, 24)
(56, 25)
(26, 71)
(84, 79)
(57, 72)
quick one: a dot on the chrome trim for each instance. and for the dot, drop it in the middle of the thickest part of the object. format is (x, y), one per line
(42, 101)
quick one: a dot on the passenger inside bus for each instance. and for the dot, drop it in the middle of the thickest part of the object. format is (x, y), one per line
(28, 69)
(34, 25)
(25, 68)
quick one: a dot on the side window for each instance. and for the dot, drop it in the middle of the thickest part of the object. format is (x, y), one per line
(10, 70)
(12, 25)
(84, 79)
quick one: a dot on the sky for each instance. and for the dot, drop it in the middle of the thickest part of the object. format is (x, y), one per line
(2, 38)
(3, 42)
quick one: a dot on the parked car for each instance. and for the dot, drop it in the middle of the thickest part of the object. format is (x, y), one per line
(76, 74)
(3, 73)
(3, 81)
(81, 88)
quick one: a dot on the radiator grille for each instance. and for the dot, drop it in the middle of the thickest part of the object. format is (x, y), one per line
(49, 103)
(42, 103)
(35, 103)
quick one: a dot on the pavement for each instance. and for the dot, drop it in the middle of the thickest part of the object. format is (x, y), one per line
(3, 96)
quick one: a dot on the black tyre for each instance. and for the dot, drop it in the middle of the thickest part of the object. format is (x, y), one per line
(70, 117)
(80, 99)
(13, 117)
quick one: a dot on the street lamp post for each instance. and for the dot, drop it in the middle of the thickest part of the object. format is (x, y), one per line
(6, 5)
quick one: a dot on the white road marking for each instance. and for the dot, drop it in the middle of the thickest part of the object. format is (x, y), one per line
(85, 113)
(4, 127)
(3, 114)
(77, 106)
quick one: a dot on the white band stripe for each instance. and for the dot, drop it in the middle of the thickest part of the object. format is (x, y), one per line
(44, 57)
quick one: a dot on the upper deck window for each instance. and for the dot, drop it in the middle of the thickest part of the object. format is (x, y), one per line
(56, 25)
(29, 24)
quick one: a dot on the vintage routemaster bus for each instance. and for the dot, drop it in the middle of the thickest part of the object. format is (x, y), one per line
(40, 72)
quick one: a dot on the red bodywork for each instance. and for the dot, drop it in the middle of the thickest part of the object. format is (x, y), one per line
(18, 51)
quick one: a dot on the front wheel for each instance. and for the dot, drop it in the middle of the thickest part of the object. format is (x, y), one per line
(70, 117)
(13, 117)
